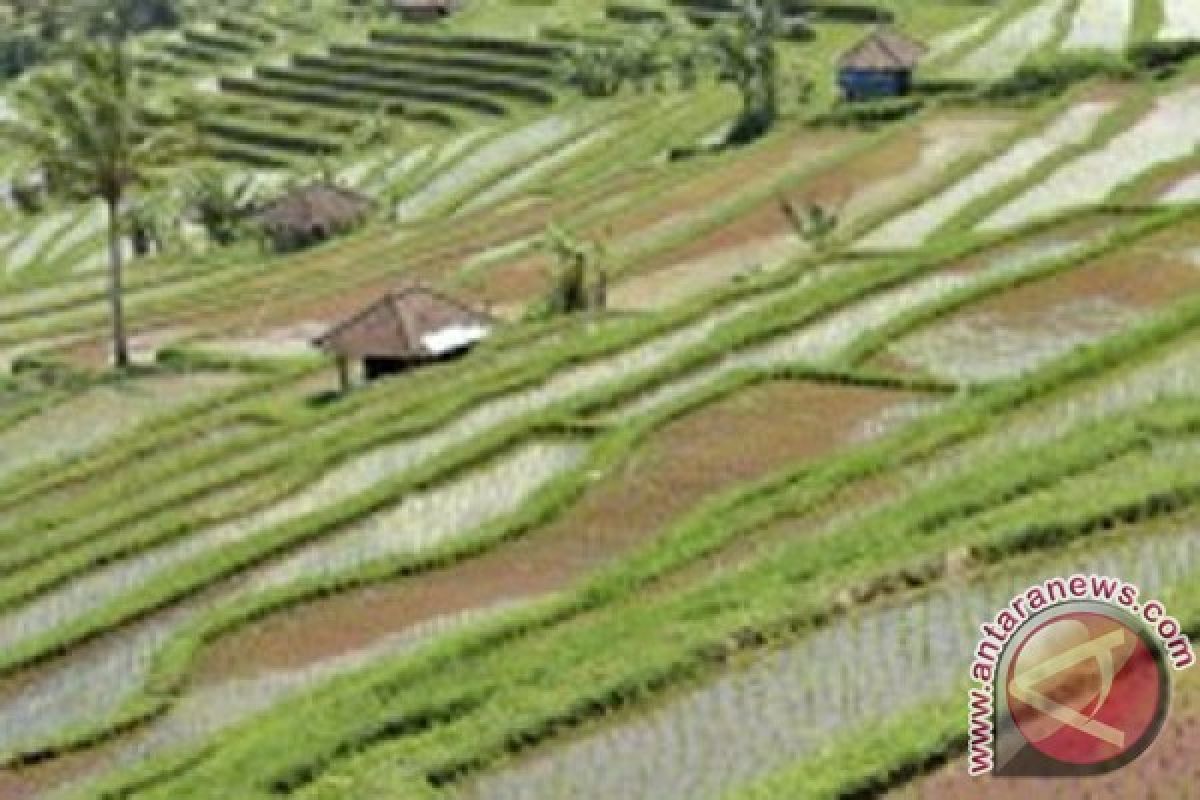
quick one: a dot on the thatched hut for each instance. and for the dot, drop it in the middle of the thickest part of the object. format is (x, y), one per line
(425, 10)
(311, 214)
(407, 327)
(881, 65)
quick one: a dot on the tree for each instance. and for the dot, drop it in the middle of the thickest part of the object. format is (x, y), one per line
(595, 70)
(223, 203)
(85, 127)
(40, 31)
(746, 57)
(643, 60)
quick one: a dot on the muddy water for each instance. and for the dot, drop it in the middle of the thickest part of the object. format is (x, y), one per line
(1002, 336)
(994, 346)
(663, 288)
(721, 445)
(943, 143)
(789, 703)
(138, 644)
(1182, 192)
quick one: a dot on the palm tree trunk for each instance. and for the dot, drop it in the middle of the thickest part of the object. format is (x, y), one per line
(116, 290)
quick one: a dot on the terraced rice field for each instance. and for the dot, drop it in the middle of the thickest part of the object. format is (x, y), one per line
(1005, 336)
(83, 422)
(1181, 21)
(760, 238)
(948, 43)
(1101, 25)
(677, 466)
(1017, 40)
(639, 552)
(1073, 127)
(762, 717)
(1165, 133)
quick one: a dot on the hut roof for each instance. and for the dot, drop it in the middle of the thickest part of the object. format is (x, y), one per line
(411, 323)
(315, 206)
(884, 49)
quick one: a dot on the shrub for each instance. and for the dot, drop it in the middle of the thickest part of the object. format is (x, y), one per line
(1163, 56)
(1054, 76)
(868, 115)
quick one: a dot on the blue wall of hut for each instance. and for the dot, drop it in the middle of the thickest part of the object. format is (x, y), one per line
(863, 84)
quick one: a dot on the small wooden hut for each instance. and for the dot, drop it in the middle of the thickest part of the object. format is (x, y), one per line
(311, 214)
(881, 65)
(407, 327)
(425, 10)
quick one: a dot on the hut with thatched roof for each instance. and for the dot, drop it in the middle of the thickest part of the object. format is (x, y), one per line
(311, 214)
(425, 10)
(881, 65)
(407, 327)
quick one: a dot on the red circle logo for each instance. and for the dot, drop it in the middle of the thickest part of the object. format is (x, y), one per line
(1087, 689)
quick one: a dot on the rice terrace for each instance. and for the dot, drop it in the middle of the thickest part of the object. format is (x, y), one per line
(598, 399)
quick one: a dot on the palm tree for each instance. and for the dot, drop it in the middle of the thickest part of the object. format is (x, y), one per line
(85, 127)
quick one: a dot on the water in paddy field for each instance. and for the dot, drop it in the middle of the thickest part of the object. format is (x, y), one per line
(426, 520)
(518, 146)
(88, 685)
(915, 227)
(1175, 374)
(990, 347)
(1170, 130)
(99, 414)
(210, 709)
(93, 683)
(1101, 25)
(1015, 42)
(790, 703)
(1181, 20)
(826, 339)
